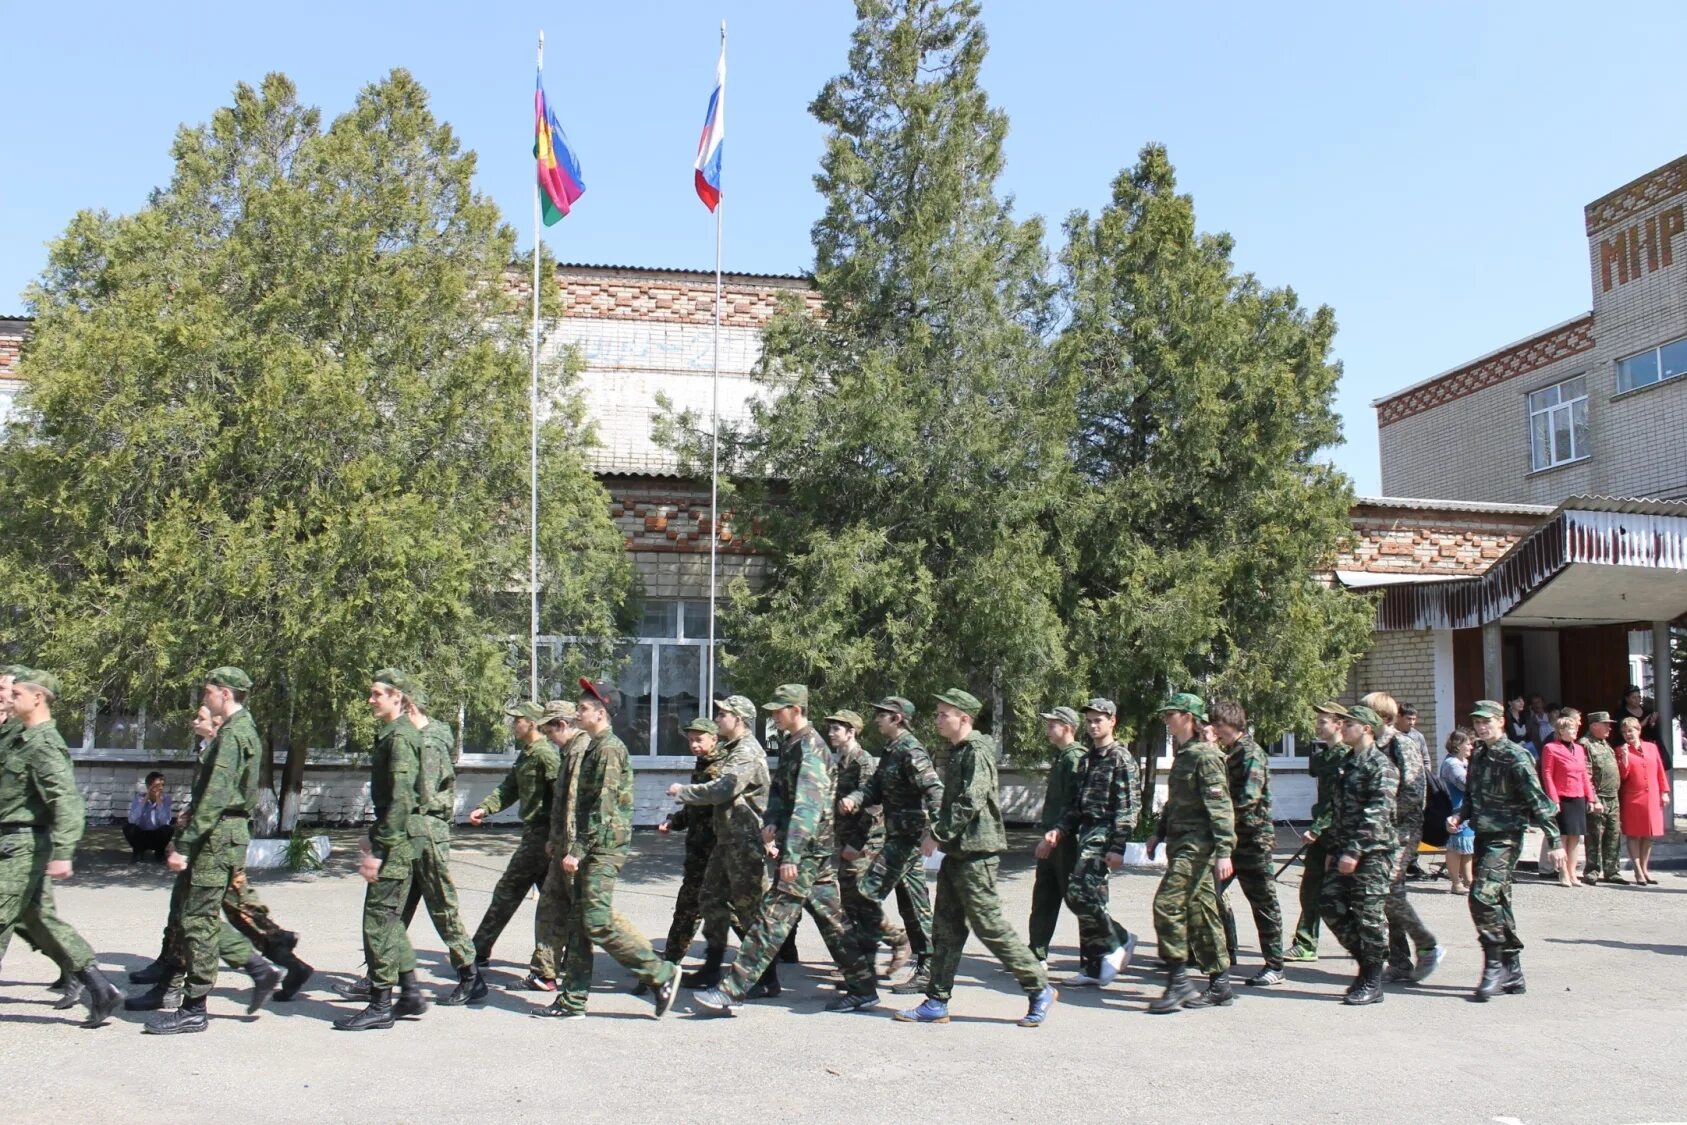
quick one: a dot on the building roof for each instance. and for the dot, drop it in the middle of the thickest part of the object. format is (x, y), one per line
(1571, 337)
(1636, 195)
(1482, 507)
(663, 271)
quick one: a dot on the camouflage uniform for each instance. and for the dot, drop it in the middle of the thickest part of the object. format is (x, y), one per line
(864, 831)
(1362, 820)
(392, 790)
(736, 877)
(1054, 874)
(1502, 797)
(597, 791)
(969, 829)
(530, 782)
(1249, 780)
(557, 893)
(1604, 828)
(1099, 821)
(1405, 928)
(800, 811)
(1198, 826)
(1325, 768)
(11, 738)
(430, 843)
(699, 844)
(907, 787)
(41, 819)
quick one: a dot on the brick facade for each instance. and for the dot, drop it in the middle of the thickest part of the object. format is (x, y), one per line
(1403, 665)
(1416, 539)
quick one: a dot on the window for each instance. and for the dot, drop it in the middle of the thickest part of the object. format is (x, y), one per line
(662, 684)
(1558, 424)
(8, 392)
(1652, 366)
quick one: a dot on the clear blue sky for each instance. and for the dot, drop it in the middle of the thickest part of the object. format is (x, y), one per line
(1420, 167)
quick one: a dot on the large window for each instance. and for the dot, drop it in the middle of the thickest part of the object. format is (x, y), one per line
(662, 684)
(1652, 366)
(1558, 424)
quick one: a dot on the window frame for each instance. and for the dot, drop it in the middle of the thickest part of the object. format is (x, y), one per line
(1562, 405)
(1657, 355)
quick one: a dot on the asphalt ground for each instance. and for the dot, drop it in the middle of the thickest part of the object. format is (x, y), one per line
(1596, 1039)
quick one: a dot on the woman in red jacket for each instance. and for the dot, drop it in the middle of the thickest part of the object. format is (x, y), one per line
(1564, 776)
(1645, 797)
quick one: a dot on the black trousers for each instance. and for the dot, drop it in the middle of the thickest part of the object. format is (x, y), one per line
(148, 839)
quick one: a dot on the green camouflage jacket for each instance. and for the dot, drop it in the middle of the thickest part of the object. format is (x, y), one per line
(864, 828)
(1362, 818)
(1503, 794)
(1105, 809)
(436, 781)
(38, 786)
(602, 795)
(1248, 776)
(737, 795)
(799, 807)
(1602, 768)
(1065, 775)
(906, 785)
(227, 781)
(703, 771)
(1197, 807)
(530, 781)
(562, 792)
(969, 822)
(1413, 792)
(392, 788)
(1325, 768)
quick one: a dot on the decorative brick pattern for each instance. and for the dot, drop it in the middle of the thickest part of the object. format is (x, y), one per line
(1411, 541)
(668, 515)
(1519, 359)
(11, 345)
(656, 296)
(1654, 187)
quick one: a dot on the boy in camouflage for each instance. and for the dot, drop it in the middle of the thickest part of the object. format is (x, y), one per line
(1054, 871)
(1328, 753)
(1405, 929)
(699, 830)
(1248, 776)
(1361, 846)
(861, 837)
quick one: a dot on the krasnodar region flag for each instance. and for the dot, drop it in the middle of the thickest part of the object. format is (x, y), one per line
(560, 182)
(709, 144)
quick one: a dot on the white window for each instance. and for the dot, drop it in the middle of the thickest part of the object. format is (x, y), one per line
(1558, 424)
(1652, 366)
(662, 683)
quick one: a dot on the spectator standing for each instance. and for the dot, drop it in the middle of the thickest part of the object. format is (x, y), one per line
(1605, 828)
(151, 823)
(1516, 722)
(1565, 778)
(1408, 726)
(1645, 789)
(1539, 721)
(1461, 844)
(1637, 706)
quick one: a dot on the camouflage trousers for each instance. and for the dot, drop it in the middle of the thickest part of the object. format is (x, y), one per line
(1405, 929)
(577, 913)
(1187, 922)
(815, 890)
(1604, 840)
(216, 873)
(1490, 889)
(1254, 870)
(733, 886)
(431, 883)
(862, 910)
(386, 944)
(1313, 862)
(26, 901)
(1054, 874)
(246, 928)
(967, 901)
(1354, 908)
(1086, 896)
(688, 904)
(899, 864)
(525, 870)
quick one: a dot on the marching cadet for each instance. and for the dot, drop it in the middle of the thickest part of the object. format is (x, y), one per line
(1099, 822)
(906, 784)
(1361, 847)
(1054, 871)
(1198, 826)
(969, 829)
(558, 724)
(430, 841)
(387, 857)
(861, 838)
(1328, 752)
(699, 830)
(1502, 797)
(799, 834)
(1405, 928)
(530, 782)
(1248, 776)
(42, 818)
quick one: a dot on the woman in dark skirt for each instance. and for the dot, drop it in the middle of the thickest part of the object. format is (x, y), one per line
(1565, 778)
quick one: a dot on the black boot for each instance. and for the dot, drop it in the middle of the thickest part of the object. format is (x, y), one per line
(359, 989)
(265, 977)
(411, 1002)
(159, 998)
(1493, 972)
(377, 1015)
(71, 995)
(65, 983)
(101, 996)
(767, 987)
(1512, 982)
(1370, 987)
(1179, 992)
(1219, 994)
(162, 968)
(188, 1018)
(297, 974)
(917, 984)
(788, 951)
(706, 975)
(471, 987)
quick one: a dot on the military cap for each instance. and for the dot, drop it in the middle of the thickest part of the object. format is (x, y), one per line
(739, 705)
(14, 670)
(1102, 706)
(1186, 701)
(1335, 709)
(419, 696)
(559, 711)
(600, 690)
(1598, 717)
(961, 701)
(39, 678)
(787, 695)
(847, 718)
(396, 679)
(702, 726)
(1488, 709)
(526, 709)
(230, 677)
(896, 705)
(1061, 715)
(1359, 713)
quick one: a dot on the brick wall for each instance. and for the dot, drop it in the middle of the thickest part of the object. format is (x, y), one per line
(1403, 665)
(1391, 540)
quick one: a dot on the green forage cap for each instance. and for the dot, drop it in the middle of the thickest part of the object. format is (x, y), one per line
(1061, 715)
(1359, 713)
(39, 678)
(16, 670)
(787, 695)
(1102, 706)
(1488, 709)
(739, 705)
(702, 726)
(419, 696)
(896, 705)
(396, 679)
(1335, 709)
(961, 701)
(526, 710)
(1598, 717)
(847, 718)
(230, 677)
(559, 711)
(1186, 701)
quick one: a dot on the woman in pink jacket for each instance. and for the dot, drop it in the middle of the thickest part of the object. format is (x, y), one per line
(1564, 776)
(1645, 797)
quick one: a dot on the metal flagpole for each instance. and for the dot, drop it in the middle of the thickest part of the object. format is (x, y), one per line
(533, 451)
(714, 414)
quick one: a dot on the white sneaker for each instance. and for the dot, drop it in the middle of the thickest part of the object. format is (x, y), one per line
(1114, 962)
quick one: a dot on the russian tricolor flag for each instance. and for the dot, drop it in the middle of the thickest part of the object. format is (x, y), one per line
(709, 145)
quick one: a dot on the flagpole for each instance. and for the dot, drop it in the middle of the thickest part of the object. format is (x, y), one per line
(714, 419)
(533, 450)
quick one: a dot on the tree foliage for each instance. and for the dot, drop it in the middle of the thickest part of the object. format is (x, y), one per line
(278, 418)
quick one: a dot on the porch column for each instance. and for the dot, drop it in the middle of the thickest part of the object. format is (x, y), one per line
(1493, 662)
(1663, 693)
